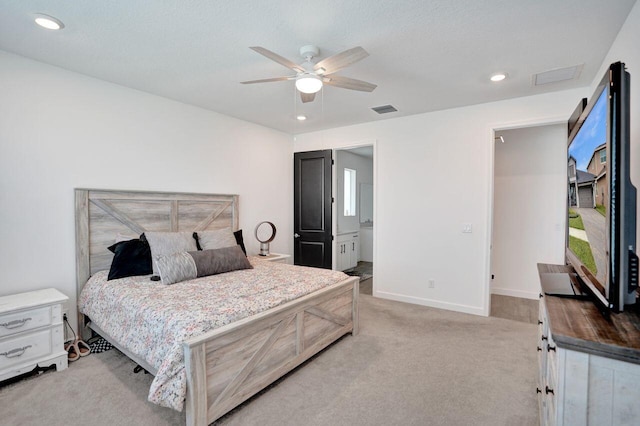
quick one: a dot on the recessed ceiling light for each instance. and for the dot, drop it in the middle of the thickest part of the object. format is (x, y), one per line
(498, 77)
(49, 22)
(301, 117)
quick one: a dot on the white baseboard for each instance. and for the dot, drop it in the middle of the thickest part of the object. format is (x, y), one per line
(474, 310)
(515, 293)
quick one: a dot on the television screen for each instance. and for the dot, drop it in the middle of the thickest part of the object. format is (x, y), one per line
(601, 198)
(589, 191)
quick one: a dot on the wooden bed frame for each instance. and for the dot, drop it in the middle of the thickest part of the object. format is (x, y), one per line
(228, 365)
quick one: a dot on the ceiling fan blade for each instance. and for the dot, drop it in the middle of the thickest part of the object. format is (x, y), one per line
(307, 97)
(348, 83)
(277, 58)
(267, 80)
(337, 62)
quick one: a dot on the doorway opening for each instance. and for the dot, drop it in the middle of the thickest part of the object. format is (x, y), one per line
(529, 215)
(353, 191)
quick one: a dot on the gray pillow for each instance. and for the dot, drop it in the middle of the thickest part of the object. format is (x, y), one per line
(165, 243)
(216, 239)
(184, 266)
(176, 267)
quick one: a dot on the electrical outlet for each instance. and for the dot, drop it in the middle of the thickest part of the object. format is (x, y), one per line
(432, 284)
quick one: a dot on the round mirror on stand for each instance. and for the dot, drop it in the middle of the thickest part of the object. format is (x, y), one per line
(265, 233)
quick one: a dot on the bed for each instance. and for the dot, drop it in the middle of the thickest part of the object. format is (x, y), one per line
(226, 365)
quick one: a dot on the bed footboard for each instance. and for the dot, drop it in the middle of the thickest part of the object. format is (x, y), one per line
(229, 365)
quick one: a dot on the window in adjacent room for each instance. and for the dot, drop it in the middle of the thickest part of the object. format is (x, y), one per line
(349, 192)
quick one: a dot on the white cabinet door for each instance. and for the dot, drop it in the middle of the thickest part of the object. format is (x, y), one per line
(353, 249)
(341, 257)
(347, 251)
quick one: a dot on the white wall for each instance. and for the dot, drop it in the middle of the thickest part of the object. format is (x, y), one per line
(625, 49)
(433, 173)
(529, 213)
(61, 130)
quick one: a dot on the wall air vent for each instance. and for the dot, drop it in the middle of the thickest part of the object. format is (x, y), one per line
(384, 109)
(557, 75)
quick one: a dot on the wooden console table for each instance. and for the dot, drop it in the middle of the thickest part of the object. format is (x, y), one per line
(589, 364)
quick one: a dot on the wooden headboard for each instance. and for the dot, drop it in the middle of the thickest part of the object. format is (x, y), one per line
(103, 214)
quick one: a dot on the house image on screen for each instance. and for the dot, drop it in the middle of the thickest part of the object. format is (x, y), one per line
(582, 186)
(598, 167)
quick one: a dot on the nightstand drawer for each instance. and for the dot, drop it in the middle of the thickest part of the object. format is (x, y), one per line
(28, 346)
(19, 322)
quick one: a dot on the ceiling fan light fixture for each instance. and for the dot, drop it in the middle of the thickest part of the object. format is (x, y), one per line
(308, 83)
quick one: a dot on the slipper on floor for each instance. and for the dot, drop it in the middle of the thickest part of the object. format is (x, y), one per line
(83, 348)
(72, 351)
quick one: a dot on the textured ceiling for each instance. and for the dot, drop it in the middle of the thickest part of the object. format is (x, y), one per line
(424, 55)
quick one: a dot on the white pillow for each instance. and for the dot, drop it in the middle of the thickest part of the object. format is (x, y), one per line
(220, 238)
(166, 243)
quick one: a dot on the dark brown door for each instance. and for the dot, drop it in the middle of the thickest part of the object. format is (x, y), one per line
(312, 209)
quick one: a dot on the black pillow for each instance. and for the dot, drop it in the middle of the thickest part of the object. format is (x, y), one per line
(195, 237)
(237, 235)
(130, 258)
(240, 240)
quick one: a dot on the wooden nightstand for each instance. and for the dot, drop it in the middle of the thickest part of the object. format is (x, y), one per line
(31, 332)
(276, 257)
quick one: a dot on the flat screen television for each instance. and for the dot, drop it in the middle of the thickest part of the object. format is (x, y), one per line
(601, 232)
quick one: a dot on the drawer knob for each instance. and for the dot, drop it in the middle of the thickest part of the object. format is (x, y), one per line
(15, 323)
(14, 353)
(548, 391)
(538, 390)
(544, 337)
(539, 322)
(551, 348)
(539, 349)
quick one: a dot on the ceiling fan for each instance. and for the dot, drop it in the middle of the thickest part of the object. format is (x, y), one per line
(311, 77)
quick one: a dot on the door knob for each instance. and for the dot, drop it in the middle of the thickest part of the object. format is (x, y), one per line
(296, 235)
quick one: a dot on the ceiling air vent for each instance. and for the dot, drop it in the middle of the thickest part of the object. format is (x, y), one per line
(384, 109)
(557, 75)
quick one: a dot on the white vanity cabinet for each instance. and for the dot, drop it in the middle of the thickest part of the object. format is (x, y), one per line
(31, 332)
(347, 249)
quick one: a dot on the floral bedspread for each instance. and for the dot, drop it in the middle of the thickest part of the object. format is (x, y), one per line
(151, 320)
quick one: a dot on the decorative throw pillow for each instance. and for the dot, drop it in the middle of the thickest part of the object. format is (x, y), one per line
(132, 257)
(218, 261)
(236, 234)
(184, 266)
(176, 267)
(239, 240)
(216, 239)
(164, 243)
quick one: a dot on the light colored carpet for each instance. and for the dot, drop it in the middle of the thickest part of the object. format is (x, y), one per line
(366, 286)
(409, 365)
(515, 308)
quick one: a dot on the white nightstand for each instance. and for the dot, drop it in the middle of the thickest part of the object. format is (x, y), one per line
(31, 332)
(275, 257)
